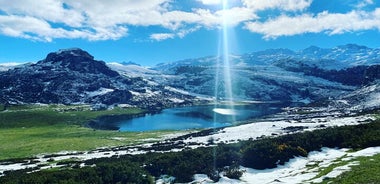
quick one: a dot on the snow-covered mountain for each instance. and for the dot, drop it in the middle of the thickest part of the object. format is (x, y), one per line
(73, 76)
(337, 58)
(366, 97)
(282, 74)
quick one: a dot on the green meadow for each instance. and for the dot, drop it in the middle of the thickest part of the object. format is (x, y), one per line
(366, 172)
(30, 130)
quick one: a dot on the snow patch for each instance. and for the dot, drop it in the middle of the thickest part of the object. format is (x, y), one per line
(176, 100)
(7, 66)
(176, 90)
(299, 169)
(269, 128)
(100, 91)
(60, 51)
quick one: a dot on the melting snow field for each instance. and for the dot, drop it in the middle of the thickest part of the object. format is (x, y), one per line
(300, 169)
(270, 128)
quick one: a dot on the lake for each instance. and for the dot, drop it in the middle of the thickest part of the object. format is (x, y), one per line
(195, 117)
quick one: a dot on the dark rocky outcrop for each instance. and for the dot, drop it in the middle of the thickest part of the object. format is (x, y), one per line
(73, 76)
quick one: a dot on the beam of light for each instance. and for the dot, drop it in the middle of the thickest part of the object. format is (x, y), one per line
(226, 57)
(225, 77)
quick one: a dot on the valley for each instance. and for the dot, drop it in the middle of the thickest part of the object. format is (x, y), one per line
(63, 113)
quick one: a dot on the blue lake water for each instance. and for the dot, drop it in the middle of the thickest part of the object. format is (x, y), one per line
(196, 117)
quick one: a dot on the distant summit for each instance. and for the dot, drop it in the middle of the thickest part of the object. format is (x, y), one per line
(72, 52)
(129, 63)
(354, 47)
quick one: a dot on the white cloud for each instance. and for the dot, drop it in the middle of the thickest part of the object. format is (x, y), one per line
(210, 2)
(180, 34)
(92, 20)
(161, 36)
(235, 15)
(364, 3)
(40, 30)
(113, 12)
(104, 20)
(50, 10)
(288, 5)
(330, 23)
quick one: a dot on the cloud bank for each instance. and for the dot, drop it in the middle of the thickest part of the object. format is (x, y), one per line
(95, 20)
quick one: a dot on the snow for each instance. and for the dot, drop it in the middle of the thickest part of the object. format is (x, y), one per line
(60, 51)
(134, 93)
(202, 178)
(374, 100)
(335, 172)
(269, 128)
(137, 71)
(10, 65)
(176, 100)
(234, 134)
(369, 97)
(225, 180)
(100, 91)
(177, 90)
(299, 169)
(365, 152)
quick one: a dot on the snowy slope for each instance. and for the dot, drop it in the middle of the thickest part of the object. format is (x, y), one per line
(133, 70)
(367, 97)
(264, 82)
(8, 66)
(279, 74)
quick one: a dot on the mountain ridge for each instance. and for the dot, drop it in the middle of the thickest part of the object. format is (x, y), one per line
(307, 75)
(72, 76)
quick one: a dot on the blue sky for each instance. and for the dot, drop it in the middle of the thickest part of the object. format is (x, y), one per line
(154, 31)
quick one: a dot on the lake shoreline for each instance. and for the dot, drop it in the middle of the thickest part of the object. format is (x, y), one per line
(188, 118)
(273, 126)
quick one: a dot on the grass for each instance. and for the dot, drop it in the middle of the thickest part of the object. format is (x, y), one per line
(24, 142)
(30, 130)
(37, 116)
(365, 173)
(325, 170)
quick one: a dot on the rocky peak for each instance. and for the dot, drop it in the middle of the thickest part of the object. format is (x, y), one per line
(67, 55)
(76, 59)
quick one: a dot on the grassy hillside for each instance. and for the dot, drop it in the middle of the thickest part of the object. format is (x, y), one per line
(366, 172)
(29, 130)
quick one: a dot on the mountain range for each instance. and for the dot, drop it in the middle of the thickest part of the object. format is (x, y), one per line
(348, 74)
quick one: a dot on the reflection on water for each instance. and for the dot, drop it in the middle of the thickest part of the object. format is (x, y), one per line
(196, 117)
(230, 112)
